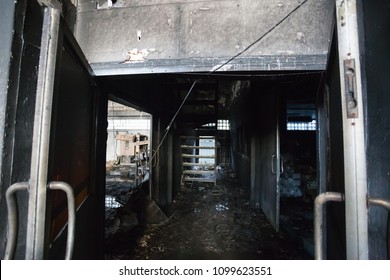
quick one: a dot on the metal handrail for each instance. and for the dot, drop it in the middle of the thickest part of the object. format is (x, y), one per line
(57, 185)
(319, 202)
(12, 208)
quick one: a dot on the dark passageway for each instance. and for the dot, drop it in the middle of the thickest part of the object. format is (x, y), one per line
(206, 222)
(246, 112)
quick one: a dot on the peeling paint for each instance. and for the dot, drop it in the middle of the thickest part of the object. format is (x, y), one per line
(301, 38)
(221, 67)
(288, 52)
(136, 55)
(341, 13)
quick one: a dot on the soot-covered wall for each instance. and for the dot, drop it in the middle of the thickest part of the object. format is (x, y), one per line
(375, 25)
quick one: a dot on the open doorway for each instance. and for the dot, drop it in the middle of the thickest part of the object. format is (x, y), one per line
(298, 179)
(127, 160)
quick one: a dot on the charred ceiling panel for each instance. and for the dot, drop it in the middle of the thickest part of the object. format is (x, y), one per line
(123, 36)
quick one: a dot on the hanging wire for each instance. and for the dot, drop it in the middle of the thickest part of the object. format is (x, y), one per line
(173, 119)
(222, 65)
(260, 38)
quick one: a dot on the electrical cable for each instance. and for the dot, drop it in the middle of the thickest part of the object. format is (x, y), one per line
(173, 119)
(261, 37)
(223, 64)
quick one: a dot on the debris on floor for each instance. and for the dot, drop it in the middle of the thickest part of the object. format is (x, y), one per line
(205, 222)
(126, 204)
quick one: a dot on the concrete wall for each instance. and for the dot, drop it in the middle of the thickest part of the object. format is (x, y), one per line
(175, 36)
(19, 97)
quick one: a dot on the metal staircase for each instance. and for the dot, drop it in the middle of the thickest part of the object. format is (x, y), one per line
(199, 159)
(197, 125)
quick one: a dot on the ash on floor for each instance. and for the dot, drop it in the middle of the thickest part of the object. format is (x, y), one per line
(206, 222)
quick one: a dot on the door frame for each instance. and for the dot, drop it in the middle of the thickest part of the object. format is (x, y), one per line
(36, 221)
(353, 114)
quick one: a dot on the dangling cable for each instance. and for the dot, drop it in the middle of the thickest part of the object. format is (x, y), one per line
(173, 119)
(223, 64)
(260, 38)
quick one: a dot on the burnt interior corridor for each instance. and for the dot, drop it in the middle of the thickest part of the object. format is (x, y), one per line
(249, 117)
(216, 142)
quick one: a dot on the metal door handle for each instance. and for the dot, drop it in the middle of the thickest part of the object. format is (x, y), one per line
(281, 165)
(57, 185)
(12, 234)
(272, 164)
(379, 202)
(319, 203)
(385, 204)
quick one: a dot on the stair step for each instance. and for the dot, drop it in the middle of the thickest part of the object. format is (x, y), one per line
(197, 156)
(188, 179)
(199, 172)
(198, 147)
(198, 164)
(197, 137)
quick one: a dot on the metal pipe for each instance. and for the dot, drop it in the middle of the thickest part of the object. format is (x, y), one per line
(319, 202)
(12, 234)
(57, 185)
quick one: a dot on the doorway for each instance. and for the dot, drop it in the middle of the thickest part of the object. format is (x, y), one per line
(298, 179)
(127, 162)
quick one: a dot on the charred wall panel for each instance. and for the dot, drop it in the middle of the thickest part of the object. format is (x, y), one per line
(19, 110)
(77, 153)
(335, 212)
(6, 27)
(162, 167)
(241, 131)
(375, 25)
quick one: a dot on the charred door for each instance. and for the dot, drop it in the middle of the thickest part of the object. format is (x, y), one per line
(269, 157)
(64, 148)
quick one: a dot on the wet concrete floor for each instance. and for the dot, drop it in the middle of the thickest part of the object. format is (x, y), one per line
(207, 222)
